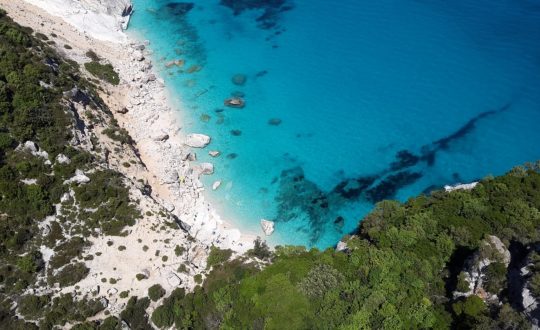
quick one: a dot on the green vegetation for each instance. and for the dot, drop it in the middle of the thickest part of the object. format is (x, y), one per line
(37, 94)
(103, 71)
(217, 256)
(155, 292)
(399, 271)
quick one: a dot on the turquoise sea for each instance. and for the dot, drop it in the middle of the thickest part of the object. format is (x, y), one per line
(349, 102)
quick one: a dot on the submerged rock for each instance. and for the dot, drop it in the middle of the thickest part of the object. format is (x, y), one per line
(274, 122)
(206, 168)
(236, 132)
(197, 140)
(214, 153)
(235, 102)
(216, 185)
(267, 227)
(239, 79)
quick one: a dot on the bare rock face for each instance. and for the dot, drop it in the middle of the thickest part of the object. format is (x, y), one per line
(197, 140)
(205, 168)
(267, 227)
(173, 280)
(492, 250)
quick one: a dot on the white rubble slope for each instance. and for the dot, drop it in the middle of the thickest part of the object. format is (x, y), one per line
(100, 19)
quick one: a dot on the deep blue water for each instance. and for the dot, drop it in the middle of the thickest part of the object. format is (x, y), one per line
(375, 99)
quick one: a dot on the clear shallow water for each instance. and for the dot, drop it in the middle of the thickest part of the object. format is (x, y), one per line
(455, 84)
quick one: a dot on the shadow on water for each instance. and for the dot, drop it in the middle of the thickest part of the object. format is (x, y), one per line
(271, 10)
(299, 197)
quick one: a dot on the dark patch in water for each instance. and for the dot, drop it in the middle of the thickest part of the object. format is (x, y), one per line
(236, 132)
(404, 158)
(232, 156)
(389, 186)
(179, 8)
(271, 10)
(261, 74)
(191, 47)
(298, 197)
(429, 151)
(353, 188)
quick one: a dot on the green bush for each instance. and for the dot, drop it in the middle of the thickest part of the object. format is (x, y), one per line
(217, 256)
(103, 71)
(155, 292)
(71, 274)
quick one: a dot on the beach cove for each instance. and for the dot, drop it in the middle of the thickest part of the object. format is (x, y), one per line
(346, 107)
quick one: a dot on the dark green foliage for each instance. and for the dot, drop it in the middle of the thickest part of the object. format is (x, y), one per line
(395, 274)
(260, 250)
(103, 71)
(135, 313)
(495, 279)
(155, 292)
(107, 192)
(36, 87)
(217, 256)
(70, 274)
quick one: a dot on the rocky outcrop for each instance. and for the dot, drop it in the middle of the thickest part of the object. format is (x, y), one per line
(267, 227)
(461, 186)
(197, 140)
(475, 273)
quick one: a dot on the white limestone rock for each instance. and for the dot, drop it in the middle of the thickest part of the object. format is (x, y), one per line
(161, 137)
(79, 178)
(206, 168)
(214, 153)
(216, 185)
(173, 280)
(63, 159)
(461, 186)
(197, 140)
(267, 227)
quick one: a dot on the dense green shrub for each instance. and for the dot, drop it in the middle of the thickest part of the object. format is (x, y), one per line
(103, 71)
(70, 274)
(217, 256)
(155, 292)
(135, 314)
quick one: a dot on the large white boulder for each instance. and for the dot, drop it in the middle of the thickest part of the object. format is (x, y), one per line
(197, 140)
(267, 227)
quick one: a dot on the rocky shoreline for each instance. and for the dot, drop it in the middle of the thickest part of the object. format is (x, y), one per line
(141, 105)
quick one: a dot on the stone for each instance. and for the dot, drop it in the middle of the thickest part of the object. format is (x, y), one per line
(191, 157)
(216, 185)
(267, 227)
(123, 111)
(79, 178)
(161, 138)
(168, 206)
(274, 122)
(63, 159)
(239, 79)
(140, 47)
(214, 153)
(173, 280)
(112, 291)
(197, 140)
(235, 102)
(31, 146)
(341, 246)
(464, 186)
(104, 302)
(148, 78)
(206, 168)
(171, 176)
(124, 326)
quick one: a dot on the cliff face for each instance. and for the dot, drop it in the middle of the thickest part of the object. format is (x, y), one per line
(101, 19)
